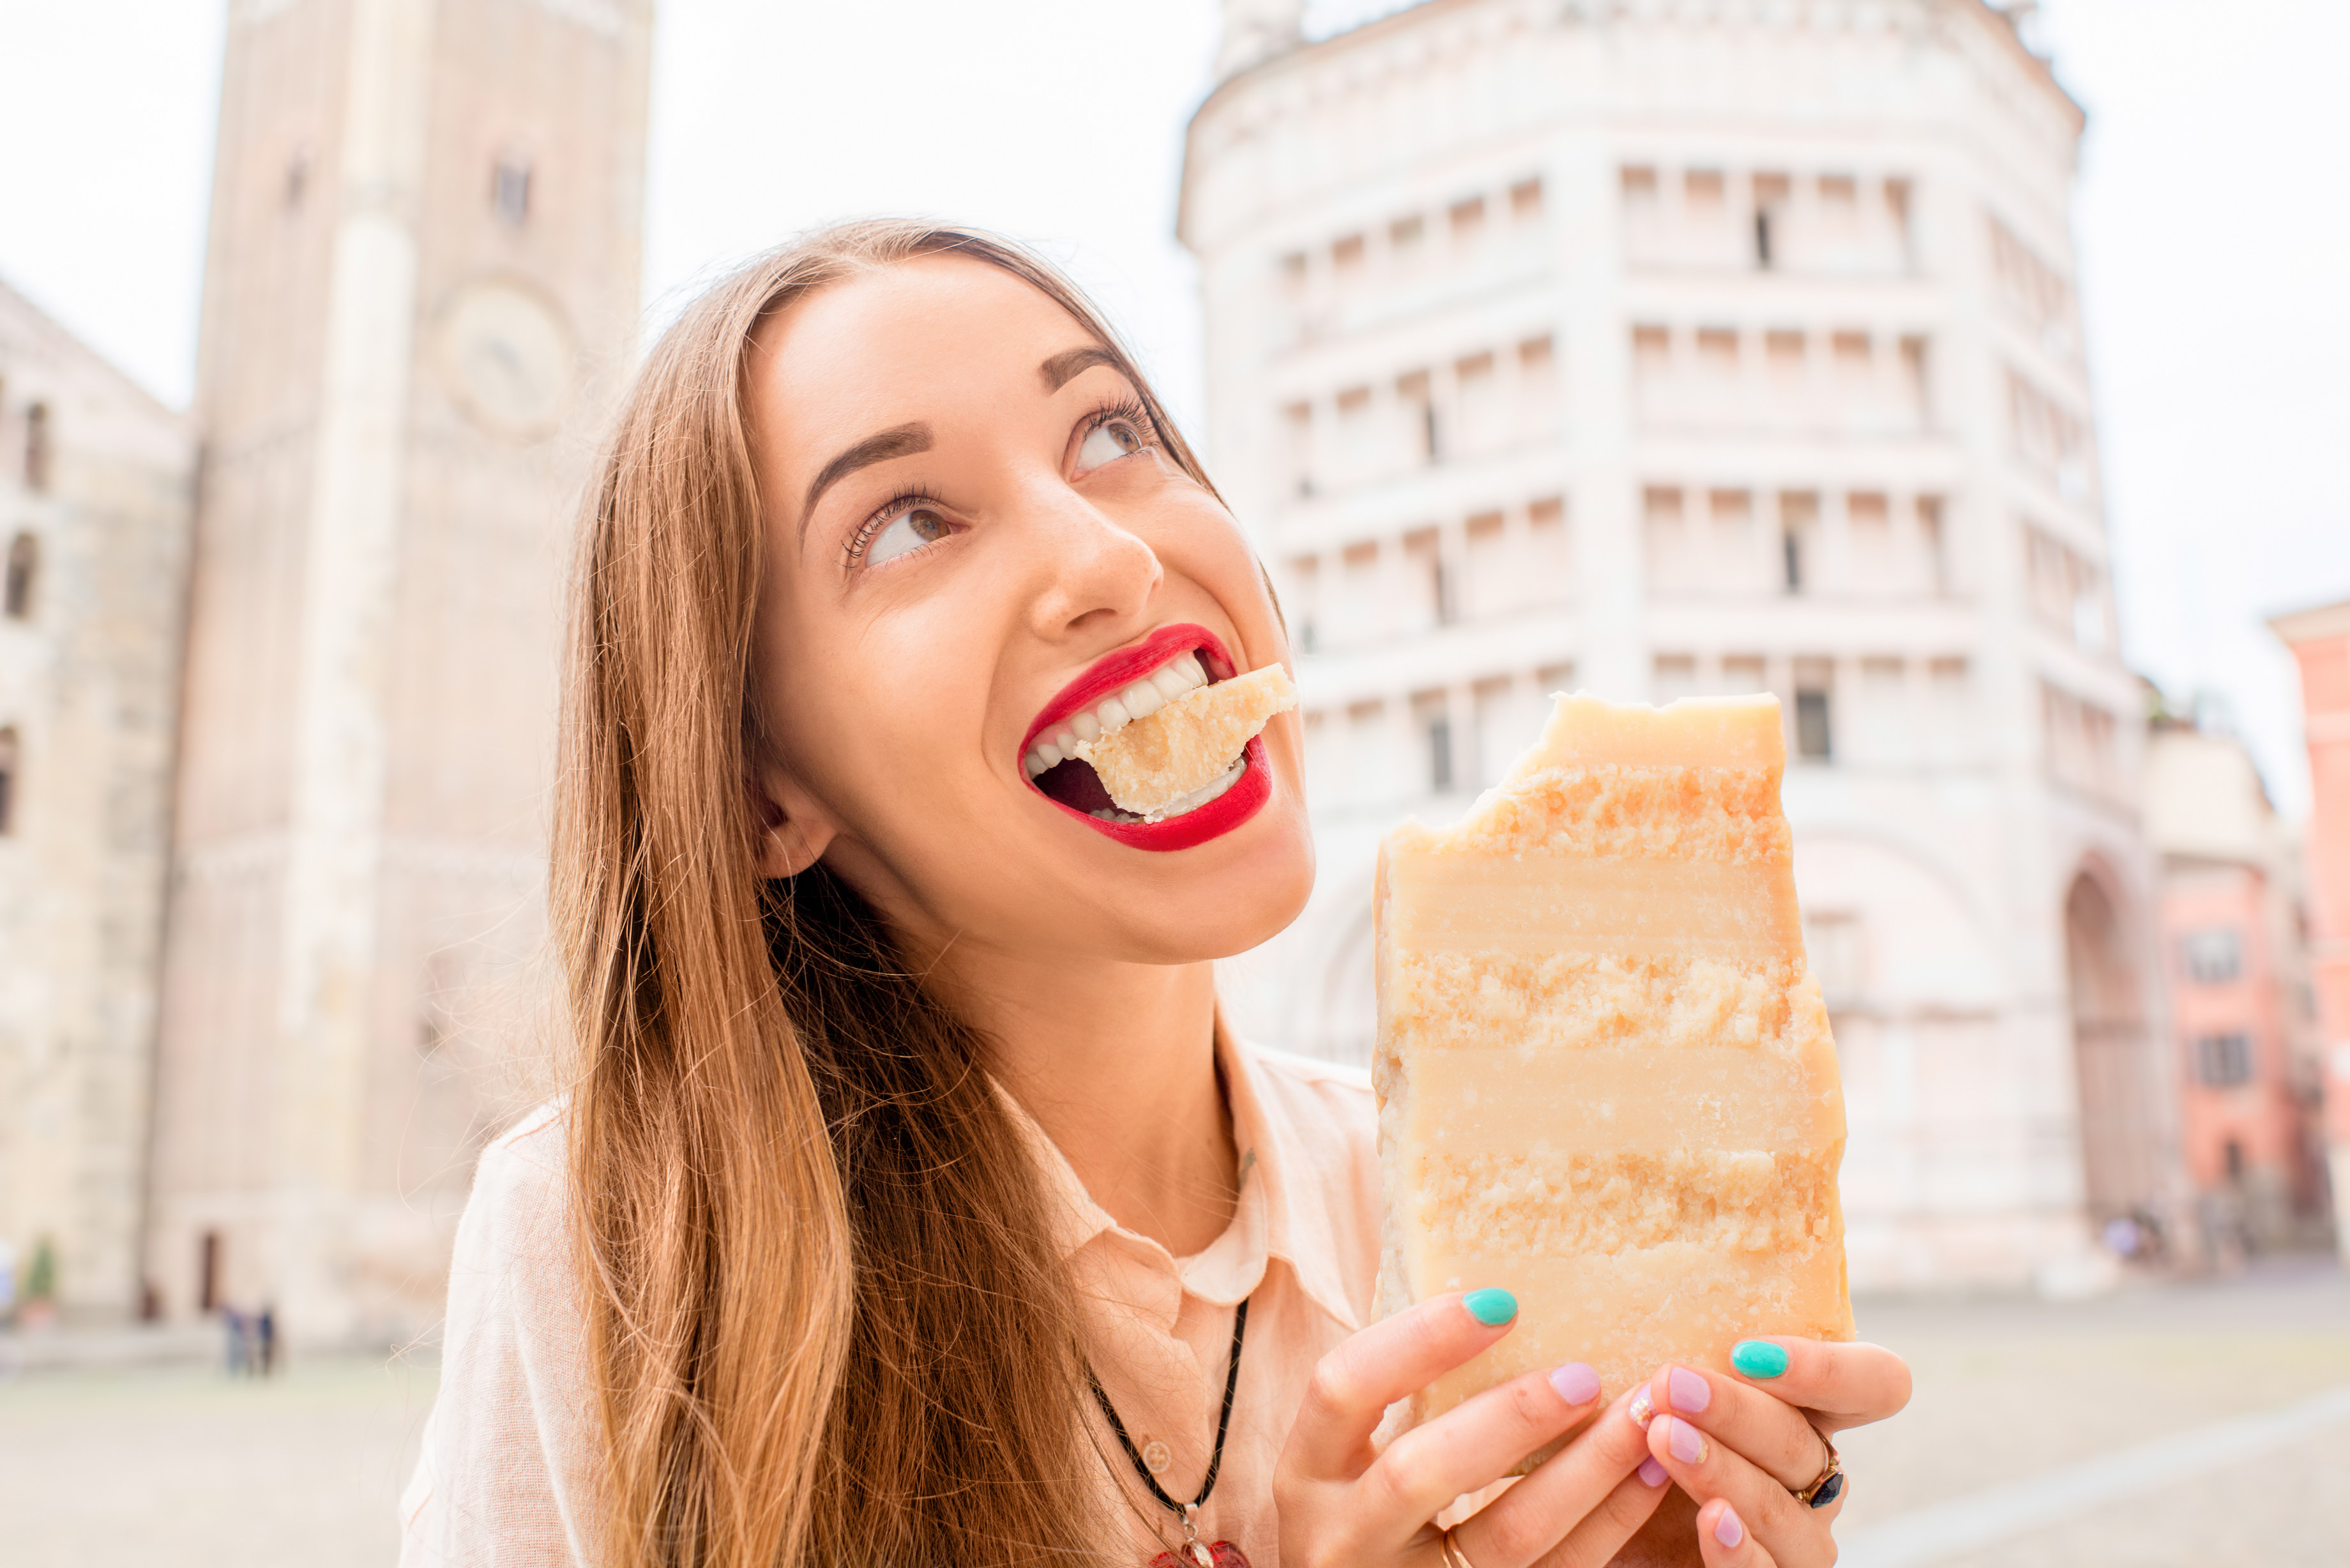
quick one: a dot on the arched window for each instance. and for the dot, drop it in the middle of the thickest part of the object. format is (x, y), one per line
(7, 782)
(38, 437)
(23, 567)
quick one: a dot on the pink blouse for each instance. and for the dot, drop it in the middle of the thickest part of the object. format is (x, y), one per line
(510, 1466)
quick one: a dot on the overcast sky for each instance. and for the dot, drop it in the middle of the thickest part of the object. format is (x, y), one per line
(2214, 240)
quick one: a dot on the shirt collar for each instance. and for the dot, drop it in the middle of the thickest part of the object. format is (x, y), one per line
(1284, 1210)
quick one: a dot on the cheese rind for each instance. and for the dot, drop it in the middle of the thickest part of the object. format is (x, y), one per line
(1188, 743)
(1605, 1077)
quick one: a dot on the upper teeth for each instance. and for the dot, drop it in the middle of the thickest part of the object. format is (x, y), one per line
(1139, 701)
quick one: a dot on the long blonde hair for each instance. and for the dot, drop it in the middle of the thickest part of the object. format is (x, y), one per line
(828, 1318)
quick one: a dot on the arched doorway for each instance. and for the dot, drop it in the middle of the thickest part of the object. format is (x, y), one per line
(2121, 1127)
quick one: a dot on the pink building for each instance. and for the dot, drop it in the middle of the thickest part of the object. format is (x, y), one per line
(2235, 958)
(2320, 640)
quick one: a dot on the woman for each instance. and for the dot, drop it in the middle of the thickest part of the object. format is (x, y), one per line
(909, 1205)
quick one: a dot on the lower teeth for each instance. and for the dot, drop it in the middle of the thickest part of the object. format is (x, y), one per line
(1180, 804)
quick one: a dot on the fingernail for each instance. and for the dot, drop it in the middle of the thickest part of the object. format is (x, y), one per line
(1650, 1472)
(1685, 1442)
(1687, 1390)
(1727, 1529)
(1642, 1408)
(1575, 1383)
(1491, 1305)
(1758, 1358)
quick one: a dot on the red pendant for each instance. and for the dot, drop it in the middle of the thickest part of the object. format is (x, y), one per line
(1221, 1554)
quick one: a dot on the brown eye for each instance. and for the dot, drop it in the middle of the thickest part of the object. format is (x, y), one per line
(1107, 442)
(905, 533)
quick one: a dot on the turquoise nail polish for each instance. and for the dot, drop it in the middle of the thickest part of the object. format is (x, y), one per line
(1758, 1358)
(1491, 1305)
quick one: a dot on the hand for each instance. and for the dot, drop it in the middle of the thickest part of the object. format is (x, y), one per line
(1741, 1443)
(1342, 1504)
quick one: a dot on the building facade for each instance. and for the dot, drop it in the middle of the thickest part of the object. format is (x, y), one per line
(96, 493)
(2243, 1017)
(421, 283)
(1658, 348)
(2320, 641)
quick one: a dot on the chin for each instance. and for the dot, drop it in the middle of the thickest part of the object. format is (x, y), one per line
(1221, 897)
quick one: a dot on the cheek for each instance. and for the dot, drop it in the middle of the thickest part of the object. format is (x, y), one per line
(1194, 536)
(880, 714)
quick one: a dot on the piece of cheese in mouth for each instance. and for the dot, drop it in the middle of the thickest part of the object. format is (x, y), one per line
(1604, 1075)
(1190, 742)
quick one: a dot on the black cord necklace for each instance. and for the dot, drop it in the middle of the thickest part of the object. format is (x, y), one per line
(1193, 1554)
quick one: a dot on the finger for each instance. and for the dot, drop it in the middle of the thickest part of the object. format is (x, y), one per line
(1565, 1491)
(1849, 1384)
(1723, 1541)
(1353, 1385)
(1477, 1442)
(1601, 1534)
(1789, 1530)
(1760, 1425)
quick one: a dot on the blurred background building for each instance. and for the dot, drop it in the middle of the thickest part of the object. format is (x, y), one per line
(2233, 923)
(263, 992)
(1659, 349)
(96, 483)
(2320, 641)
(424, 259)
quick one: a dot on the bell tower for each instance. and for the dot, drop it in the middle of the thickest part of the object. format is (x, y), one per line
(421, 288)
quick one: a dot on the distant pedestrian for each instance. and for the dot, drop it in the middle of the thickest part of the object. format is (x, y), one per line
(239, 1356)
(264, 1334)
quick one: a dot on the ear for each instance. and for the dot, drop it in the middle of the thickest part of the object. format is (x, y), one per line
(794, 828)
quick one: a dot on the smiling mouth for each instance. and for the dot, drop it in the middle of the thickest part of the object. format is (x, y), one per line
(1052, 765)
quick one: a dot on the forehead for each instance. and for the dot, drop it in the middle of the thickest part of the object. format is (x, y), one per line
(895, 343)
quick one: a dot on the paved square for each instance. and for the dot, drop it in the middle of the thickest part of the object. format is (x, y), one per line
(130, 1468)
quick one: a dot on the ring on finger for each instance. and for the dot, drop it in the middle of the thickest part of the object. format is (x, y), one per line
(1453, 1556)
(1828, 1485)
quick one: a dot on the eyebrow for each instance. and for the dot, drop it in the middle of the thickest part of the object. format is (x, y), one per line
(903, 441)
(1062, 367)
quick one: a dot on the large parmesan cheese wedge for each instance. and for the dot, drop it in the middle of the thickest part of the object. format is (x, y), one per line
(1190, 743)
(1604, 1074)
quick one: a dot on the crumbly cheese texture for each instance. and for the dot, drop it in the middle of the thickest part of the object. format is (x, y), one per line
(1191, 742)
(1604, 1074)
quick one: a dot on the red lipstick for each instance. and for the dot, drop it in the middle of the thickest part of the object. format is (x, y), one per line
(1113, 673)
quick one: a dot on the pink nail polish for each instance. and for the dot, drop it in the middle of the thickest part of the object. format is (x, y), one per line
(1642, 1410)
(1685, 1442)
(1575, 1383)
(1687, 1390)
(1650, 1472)
(1727, 1529)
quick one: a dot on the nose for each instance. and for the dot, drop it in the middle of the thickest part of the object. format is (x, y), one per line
(1092, 573)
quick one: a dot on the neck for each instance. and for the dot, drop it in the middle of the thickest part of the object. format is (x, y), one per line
(1117, 1062)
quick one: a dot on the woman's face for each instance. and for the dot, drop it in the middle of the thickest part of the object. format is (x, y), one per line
(973, 536)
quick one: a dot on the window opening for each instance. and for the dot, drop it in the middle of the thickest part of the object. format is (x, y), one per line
(38, 440)
(24, 567)
(510, 189)
(1813, 737)
(2214, 956)
(8, 760)
(2222, 1060)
